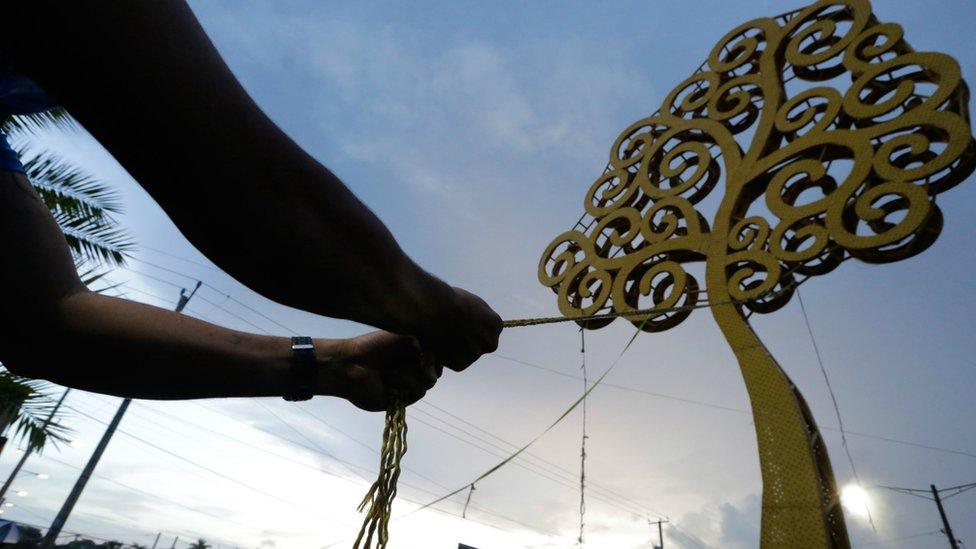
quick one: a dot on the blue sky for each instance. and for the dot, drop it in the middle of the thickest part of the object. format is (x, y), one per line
(473, 130)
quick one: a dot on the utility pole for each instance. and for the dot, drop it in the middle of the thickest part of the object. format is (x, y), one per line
(945, 520)
(23, 459)
(69, 503)
(176, 539)
(157, 540)
(660, 532)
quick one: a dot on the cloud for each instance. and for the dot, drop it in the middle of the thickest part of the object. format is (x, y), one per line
(725, 525)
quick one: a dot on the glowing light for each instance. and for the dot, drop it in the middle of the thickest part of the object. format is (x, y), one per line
(22, 493)
(43, 476)
(8, 504)
(855, 500)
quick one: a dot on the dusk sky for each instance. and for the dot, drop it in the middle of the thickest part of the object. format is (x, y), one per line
(473, 129)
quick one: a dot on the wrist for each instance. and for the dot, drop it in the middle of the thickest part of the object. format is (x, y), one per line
(421, 300)
(330, 358)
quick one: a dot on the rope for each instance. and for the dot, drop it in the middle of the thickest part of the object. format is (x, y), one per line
(582, 505)
(654, 312)
(380, 497)
(551, 426)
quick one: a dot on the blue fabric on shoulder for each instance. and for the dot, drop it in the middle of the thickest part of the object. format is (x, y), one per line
(18, 95)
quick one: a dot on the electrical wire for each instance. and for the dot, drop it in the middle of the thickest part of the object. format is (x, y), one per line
(611, 495)
(731, 409)
(566, 481)
(212, 471)
(174, 256)
(320, 449)
(371, 471)
(843, 431)
(903, 538)
(240, 318)
(957, 490)
(221, 292)
(559, 419)
(670, 397)
(159, 497)
(833, 399)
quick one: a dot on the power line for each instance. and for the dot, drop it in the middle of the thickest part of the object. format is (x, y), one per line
(214, 472)
(525, 447)
(62, 517)
(212, 287)
(216, 306)
(174, 256)
(240, 318)
(903, 538)
(833, 399)
(219, 291)
(559, 419)
(536, 469)
(310, 441)
(157, 496)
(272, 320)
(956, 490)
(735, 410)
(347, 463)
(937, 498)
(570, 474)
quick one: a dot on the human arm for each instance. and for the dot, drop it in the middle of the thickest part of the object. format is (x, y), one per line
(57, 329)
(145, 80)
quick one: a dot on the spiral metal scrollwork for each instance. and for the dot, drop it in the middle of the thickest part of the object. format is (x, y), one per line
(830, 139)
(853, 134)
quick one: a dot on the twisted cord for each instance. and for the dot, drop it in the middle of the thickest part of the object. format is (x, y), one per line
(582, 505)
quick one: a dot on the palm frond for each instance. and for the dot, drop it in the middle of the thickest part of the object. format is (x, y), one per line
(34, 123)
(82, 207)
(94, 240)
(25, 406)
(90, 275)
(69, 187)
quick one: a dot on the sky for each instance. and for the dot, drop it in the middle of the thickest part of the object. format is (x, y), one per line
(473, 130)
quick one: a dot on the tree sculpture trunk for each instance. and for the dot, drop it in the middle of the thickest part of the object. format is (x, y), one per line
(799, 500)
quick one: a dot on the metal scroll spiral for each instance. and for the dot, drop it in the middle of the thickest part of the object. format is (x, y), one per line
(831, 138)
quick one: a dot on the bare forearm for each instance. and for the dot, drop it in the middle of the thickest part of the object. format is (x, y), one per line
(145, 80)
(109, 345)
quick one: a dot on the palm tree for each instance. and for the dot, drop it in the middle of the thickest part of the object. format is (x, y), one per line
(84, 208)
(200, 544)
(25, 406)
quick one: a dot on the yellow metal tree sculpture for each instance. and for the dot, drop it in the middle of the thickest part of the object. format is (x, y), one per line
(831, 138)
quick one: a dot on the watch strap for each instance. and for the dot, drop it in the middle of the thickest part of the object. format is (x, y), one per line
(302, 373)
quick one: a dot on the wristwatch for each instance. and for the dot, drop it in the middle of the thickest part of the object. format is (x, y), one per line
(302, 373)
